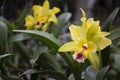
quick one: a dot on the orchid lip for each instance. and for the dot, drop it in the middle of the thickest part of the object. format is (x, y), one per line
(79, 56)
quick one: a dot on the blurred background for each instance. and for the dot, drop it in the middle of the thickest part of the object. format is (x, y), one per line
(99, 9)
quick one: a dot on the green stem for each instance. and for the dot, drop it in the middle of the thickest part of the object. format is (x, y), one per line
(100, 58)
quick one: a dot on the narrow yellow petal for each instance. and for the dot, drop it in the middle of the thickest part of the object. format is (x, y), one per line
(46, 5)
(104, 33)
(83, 13)
(101, 42)
(77, 32)
(70, 46)
(45, 27)
(55, 10)
(94, 60)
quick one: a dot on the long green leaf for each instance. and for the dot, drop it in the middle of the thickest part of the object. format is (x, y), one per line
(107, 24)
(21, 17)
(48, 39)
(19, 37)
(3, 36)
(53, 74)
(62, 20)
(115, 34)
(102, 72)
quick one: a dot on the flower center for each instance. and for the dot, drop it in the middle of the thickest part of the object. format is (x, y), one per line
(85, 46)
(80, 56)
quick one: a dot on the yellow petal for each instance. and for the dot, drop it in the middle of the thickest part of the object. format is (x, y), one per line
(89, 23)
(46, 5)
(77, 32)
(104, 33)
(101, 42)
(42, 18)
(36, 10)
(80, 44)
(29, 22)
(94, 60)
(45, 27)
(93, 30)
(83, 13)
(70, 46)
(55, 10)
(53, 18)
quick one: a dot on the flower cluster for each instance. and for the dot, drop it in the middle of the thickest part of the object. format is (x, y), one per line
(42, 17)
(86, 39)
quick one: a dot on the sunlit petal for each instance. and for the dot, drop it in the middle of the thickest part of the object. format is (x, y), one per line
(101, 42)
(70, 46)
(77, 32)
(93, 30)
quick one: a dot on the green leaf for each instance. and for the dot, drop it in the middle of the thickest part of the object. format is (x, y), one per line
(107, 24)
(115, 34)
(46, 59)
(102, 72)
(20, 20)
(115, 61)
(90, 73)
(19, 37)
(62, 20)
(38, 50)
(3, 36)
(53, 74)
(45, 37)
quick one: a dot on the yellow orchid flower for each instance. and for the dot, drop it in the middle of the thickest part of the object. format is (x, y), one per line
(86, 39)
(42, 16)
